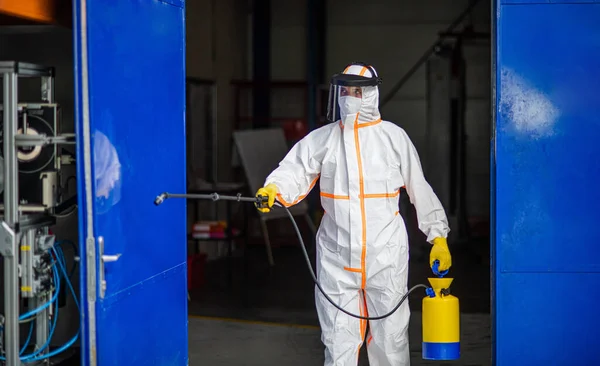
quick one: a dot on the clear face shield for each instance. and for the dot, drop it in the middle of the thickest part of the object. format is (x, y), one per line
(346, 85)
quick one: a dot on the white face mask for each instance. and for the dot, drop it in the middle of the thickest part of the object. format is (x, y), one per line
(349, 105)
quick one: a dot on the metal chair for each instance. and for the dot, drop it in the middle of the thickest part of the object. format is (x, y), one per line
(260, 152)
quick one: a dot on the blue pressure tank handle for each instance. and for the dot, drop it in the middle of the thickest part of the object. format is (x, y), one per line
(434, 268)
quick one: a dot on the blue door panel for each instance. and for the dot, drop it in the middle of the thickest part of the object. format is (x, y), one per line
(547, 137)
(151, 333)
(546, 173)
(547, 319)
(137, 105)
(136, 62)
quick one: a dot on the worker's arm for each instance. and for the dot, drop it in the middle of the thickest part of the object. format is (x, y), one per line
(430, 212)
(299, 171)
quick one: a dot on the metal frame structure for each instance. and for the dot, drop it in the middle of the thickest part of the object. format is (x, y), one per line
(12, 226)
(210, 163)
(449, 32)
(249, 120)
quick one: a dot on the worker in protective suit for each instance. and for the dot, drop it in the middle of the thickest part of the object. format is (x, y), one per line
(362, 243)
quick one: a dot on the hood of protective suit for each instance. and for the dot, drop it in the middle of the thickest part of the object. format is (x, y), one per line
(360, 110)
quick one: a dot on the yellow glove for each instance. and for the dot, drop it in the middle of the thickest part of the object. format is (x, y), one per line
(440, 252)
(269, 191)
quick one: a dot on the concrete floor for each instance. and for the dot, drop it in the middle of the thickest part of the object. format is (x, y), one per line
(226, 342)
(247, 289)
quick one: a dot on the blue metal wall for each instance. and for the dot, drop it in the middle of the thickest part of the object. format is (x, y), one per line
(136, 61)
(546, 153)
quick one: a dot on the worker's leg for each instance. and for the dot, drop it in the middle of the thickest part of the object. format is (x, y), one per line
(341, 333)
(387, 342)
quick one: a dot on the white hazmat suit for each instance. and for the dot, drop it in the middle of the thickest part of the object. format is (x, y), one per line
(362, 244)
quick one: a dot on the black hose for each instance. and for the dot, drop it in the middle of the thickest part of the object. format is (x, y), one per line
(261, 201)
(312, 273)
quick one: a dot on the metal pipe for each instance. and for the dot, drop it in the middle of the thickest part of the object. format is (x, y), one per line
(29, 208)
(311, 63)
(24, 122)
(315, 61)
(215, 132)
(27, 248)
(11, 189)
(41, 324)
(261, 49)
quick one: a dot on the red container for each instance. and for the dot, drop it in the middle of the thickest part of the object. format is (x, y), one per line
(195, 267)
(295, 130)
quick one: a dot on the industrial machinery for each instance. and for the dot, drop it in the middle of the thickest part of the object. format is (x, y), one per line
(35, 275)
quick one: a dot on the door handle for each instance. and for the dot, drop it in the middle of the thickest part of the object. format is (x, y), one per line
(110, 258)
(104, 258)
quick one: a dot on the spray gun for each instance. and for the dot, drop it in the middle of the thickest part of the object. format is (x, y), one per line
(440, 309)
(259, 201)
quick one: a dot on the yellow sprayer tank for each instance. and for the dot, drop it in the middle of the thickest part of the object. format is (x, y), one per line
(441, 322)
